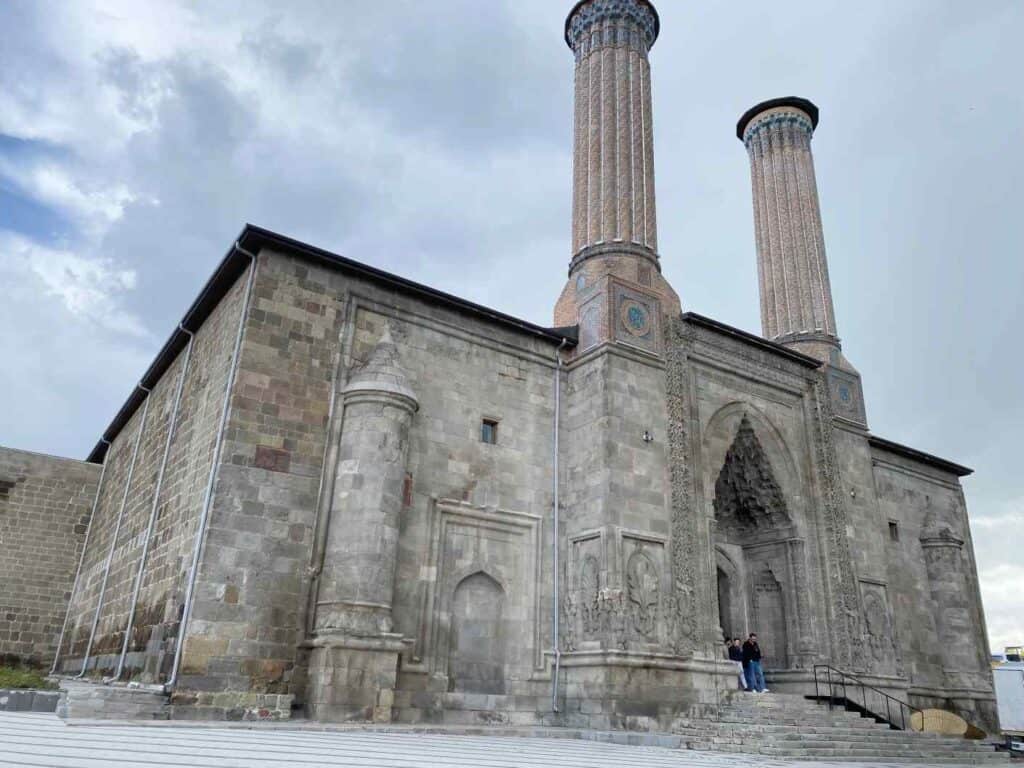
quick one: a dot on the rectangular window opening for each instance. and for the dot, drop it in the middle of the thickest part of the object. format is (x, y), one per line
(894, 530)
(489, 431)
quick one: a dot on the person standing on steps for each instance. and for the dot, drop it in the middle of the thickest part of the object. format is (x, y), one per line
(736, 654)
(752, 664)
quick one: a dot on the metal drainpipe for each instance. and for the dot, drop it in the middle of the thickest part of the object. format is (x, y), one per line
(324, 495)
(554, 536)
(81, 560)
(208, 497)
(155, 506)
(117, 530)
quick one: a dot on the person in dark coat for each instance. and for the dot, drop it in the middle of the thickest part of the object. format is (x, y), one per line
(736, 654)
(752, 664)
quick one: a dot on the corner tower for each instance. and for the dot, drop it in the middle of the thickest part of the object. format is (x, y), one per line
(614, 225)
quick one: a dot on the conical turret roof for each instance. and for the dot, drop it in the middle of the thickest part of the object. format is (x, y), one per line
(383, 372)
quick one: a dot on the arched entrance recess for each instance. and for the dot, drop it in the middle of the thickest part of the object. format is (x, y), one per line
(758, 533)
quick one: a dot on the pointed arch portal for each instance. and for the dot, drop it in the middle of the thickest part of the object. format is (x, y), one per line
(755, 526)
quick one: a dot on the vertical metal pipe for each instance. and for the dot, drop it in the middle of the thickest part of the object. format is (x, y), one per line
(828, 672)
(81, 560)
(117, 530)
(156, 503)
(554, 529)
(208, 496)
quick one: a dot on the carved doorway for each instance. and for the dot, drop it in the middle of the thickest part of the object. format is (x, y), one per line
(754, 525)
(770, 620)
(476, 656)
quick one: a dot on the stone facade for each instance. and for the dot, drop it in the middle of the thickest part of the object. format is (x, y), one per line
(364, 470)
(45, 504)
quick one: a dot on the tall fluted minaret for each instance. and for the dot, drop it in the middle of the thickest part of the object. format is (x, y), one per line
(614, 229)
(796, 300)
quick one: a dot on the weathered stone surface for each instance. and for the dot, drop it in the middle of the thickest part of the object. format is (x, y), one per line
(45, 503)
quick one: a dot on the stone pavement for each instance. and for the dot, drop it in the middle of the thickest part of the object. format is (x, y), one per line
(44, 740)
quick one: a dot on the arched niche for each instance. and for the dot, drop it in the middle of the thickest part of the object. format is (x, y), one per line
(476, 644)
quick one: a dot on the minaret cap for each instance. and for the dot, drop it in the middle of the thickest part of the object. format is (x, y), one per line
(611, 9)
(804, 105)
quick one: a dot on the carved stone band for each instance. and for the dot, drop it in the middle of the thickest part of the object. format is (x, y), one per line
(595, 24)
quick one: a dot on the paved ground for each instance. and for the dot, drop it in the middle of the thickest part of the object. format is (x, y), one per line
(43, 740)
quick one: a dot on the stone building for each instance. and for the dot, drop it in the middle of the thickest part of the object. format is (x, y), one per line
(340, 492)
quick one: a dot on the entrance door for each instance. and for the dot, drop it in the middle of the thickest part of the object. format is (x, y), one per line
(770, 621)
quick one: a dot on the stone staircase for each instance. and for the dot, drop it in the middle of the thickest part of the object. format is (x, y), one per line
(794, 728)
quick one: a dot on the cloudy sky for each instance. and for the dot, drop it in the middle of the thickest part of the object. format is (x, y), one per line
(432, 139)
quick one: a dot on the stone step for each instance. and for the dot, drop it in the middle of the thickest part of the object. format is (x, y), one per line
(785, 727)
(839, 750)
(817, 739)
(820, 735)
(863, 725)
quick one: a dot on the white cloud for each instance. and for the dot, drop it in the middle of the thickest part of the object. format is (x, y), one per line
(1000, 592)
(89, 289)
(54, 186)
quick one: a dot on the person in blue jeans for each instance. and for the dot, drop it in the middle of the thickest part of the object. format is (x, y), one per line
(752, 665)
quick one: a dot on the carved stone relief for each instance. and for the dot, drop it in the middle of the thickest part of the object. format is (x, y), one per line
(844, 605)
(878, 628)
(681, 612)
(589, 589)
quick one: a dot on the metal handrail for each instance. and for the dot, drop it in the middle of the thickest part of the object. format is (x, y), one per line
(842, 677)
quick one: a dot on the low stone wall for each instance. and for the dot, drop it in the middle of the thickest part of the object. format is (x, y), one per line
(230, 705)
(22, 700)
(91, 701)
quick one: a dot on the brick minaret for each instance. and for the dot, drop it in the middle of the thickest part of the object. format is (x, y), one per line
(614, 231)
(796, 300)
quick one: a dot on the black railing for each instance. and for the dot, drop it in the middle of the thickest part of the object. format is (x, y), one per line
(897, 713)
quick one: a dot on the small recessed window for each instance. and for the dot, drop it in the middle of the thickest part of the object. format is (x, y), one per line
(489, 431)
(894, 530)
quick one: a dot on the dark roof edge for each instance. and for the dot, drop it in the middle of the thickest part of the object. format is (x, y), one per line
(234, 263)
(749, 338)
(920, 456)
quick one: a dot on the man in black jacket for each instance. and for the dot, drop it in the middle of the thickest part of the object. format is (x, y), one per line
(752, 664)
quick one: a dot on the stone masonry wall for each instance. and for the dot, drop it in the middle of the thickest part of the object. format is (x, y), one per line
(160, 601)
(249, 619)
(251, 592)
(911, 497)
(45, 502)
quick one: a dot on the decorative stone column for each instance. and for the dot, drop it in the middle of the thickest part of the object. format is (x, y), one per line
(354, 662)
(614, 227)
